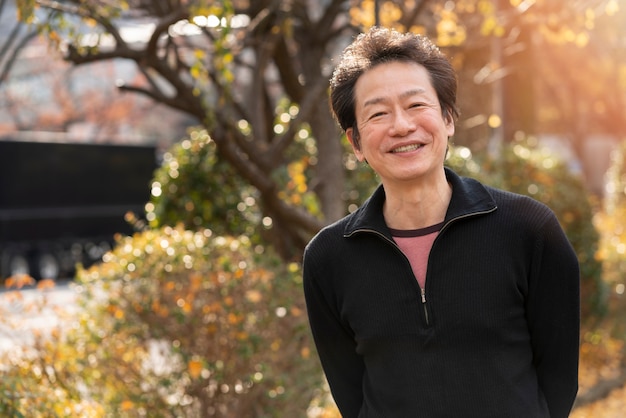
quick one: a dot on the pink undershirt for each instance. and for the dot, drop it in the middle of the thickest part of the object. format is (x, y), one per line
(416, 245)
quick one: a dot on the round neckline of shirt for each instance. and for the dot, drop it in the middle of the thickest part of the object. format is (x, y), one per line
(420, 232)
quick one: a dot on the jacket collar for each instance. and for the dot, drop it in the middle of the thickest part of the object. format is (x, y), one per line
(469, 197)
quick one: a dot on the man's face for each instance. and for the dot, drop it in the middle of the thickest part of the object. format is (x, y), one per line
(403, 134)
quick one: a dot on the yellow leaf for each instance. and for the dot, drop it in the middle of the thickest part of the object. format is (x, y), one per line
(55, 333)
(233, 319)
(253, 296)
(19, 280)
(195, 368)
(186, 307)
(119, 314)
(195, 282)
(275, 346)
(46, 284)
(127, 405)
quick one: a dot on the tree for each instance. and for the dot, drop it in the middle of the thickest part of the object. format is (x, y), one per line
(78, 101)
(58, 97)
(255, 74)
(17, 36)
(198, 62)
(543, 94)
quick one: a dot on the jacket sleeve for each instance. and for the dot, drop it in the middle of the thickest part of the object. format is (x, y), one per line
(553, 310)
(334, 341)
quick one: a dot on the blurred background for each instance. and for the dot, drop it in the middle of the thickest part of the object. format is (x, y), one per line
(172, 159)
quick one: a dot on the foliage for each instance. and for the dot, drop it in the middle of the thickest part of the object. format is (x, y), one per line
(447, 29)
(361, 180)
(228, 64)
(33, 368)
(611, 223)
(613, 250)
(232, 63)
(197, 189)
(294, 178)
(603, 348)
(522, 167)
(11, 45)
(176, 323)
(228, 320)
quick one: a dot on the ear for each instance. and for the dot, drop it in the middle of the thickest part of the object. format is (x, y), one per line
(356, 148)
(449, 126)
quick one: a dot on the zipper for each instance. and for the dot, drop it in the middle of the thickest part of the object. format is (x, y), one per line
(424, 305)
(391, 242)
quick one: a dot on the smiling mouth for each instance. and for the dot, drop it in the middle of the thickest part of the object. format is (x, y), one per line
(407, 148)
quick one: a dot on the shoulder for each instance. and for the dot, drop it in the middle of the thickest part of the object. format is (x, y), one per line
(522, 208)
(507, 198)
(328, 238)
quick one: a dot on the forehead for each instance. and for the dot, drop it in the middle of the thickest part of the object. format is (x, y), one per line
(397, 79)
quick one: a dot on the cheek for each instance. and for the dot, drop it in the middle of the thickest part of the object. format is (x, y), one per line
(440, 127)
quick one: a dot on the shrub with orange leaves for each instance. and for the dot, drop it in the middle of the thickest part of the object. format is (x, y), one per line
(173, 323)
(185, 323)
(18, 281)
(34, 360)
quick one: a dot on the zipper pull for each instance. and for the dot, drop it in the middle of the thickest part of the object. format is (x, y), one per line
(423, 291)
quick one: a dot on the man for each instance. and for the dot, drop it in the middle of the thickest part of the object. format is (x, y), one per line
(439, 297)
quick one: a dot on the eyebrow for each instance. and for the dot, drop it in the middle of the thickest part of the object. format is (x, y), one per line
(404, 95)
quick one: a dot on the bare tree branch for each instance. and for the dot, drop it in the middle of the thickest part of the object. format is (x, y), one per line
(11, 49)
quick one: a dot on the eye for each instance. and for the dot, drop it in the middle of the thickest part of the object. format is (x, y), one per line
(415, 105)
(376, 115)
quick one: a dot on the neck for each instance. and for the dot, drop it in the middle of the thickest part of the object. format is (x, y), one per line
(417, 204)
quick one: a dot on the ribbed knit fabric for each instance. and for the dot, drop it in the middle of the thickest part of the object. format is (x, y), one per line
(497, 336)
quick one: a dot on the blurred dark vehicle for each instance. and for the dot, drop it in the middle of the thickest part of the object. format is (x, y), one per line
(62, 203)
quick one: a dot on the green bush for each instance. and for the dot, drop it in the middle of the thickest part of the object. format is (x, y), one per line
(525, 169)
(177, 323)
(197, 189)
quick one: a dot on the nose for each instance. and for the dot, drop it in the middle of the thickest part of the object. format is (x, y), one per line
(402, 123)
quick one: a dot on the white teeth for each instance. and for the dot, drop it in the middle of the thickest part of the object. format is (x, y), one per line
(407, 148)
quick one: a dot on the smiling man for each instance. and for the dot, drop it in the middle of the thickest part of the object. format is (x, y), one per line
(439, 296)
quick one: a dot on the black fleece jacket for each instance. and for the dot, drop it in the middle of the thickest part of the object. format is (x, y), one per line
(494, 334)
